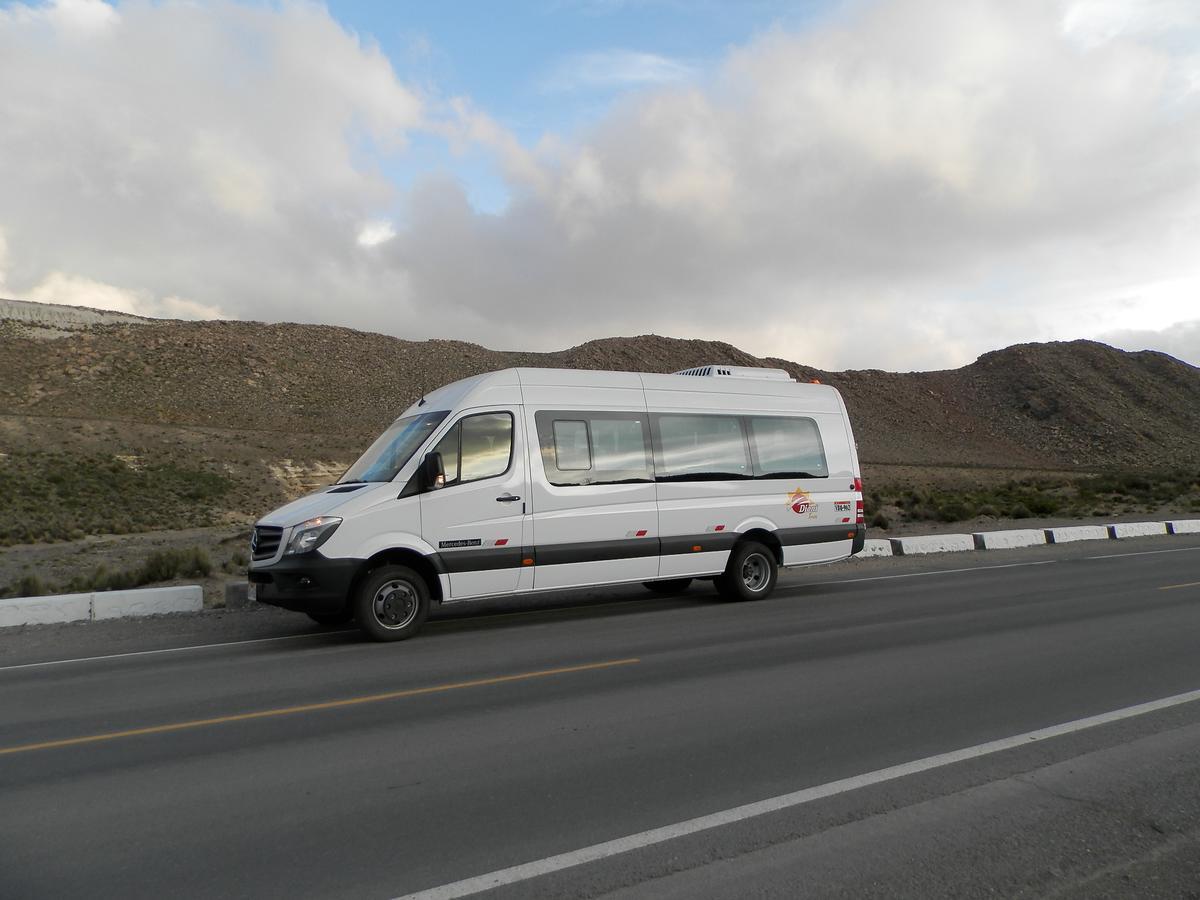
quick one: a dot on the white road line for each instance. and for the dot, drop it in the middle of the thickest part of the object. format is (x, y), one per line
(83, 659)
(1145, 553)
(1042, 562)
(529, 870)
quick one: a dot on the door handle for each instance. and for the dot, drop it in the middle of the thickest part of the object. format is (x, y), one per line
(507, 498)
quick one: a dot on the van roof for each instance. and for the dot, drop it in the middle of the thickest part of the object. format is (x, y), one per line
(504, 385)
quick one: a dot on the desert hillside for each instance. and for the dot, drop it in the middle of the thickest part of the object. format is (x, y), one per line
(113, 423)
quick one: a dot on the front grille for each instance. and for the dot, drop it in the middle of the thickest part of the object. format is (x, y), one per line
(265, 542)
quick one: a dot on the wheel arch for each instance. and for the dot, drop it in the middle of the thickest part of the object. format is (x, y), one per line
(400, 556)
(768, 539)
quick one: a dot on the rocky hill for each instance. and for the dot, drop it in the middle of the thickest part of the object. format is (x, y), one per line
(271, 409)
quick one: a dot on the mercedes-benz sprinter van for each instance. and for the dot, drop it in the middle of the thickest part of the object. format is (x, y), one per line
(529, 480)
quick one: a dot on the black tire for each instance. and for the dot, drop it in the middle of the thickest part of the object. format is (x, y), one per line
(395, 614)
(750, 574)
(342, 617)
(668, 587)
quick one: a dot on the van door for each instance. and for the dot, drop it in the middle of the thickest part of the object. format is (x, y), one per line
(477, 521)
(595, 518)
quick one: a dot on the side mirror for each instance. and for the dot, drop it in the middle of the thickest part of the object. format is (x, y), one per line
(433, 473)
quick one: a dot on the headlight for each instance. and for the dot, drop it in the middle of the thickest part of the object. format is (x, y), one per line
(311, 534)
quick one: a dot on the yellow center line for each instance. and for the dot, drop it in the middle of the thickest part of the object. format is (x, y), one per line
(1171, 587)
(312, 707)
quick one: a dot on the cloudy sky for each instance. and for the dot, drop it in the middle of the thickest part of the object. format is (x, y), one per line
(897, 184)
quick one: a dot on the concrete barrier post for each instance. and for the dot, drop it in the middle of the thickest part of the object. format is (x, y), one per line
(1136, 529)
(147, 602)
(1076, 533)
(932, 543)
(45, 610)
(237, 595)
(1007, 540)
(1183, 526)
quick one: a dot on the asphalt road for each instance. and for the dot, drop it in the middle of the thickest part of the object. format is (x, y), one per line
(285, 761)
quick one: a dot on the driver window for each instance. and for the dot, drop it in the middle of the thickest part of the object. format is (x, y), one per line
(477, 447)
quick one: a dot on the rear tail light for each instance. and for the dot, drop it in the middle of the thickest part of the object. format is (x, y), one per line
(859, 517)
(858, 484)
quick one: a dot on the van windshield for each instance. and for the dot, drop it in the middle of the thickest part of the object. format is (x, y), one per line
(393, 448)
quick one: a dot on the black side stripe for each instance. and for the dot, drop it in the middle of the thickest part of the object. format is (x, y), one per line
(481, 560)
(595, 551)
(709, 542)
(491, 558)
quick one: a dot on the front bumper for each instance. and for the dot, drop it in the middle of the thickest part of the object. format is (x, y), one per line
(309, 583)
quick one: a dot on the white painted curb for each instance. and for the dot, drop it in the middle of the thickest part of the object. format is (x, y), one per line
(1076, 533)
(1023, 537)
(875, 548)
(100, 605)
(45, 610)
(149, 602)
(1136, 529)
(1007, 540)
(932, 543)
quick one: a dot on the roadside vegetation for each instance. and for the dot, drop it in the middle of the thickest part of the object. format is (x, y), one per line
(160, 566)
(1106, 494)
(59, 496)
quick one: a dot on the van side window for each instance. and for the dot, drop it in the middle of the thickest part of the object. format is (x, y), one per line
(572, 449)
(787, 448)
(701, 448)
(477, 447)
(581, 448)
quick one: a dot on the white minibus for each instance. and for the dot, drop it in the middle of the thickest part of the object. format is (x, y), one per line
(529, 480)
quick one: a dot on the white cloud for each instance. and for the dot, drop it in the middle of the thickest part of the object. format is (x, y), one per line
(905, 184)
(223, 153)
(615, 69)
(75, 290)
(372, 234)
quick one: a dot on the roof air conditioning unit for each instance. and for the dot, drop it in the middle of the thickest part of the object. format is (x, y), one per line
(737, 372)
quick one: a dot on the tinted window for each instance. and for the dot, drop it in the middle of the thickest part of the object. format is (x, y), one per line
(572, 452)
(702, 447)
(788, 448)
(594, 447)
(477, 447)
(619, 446)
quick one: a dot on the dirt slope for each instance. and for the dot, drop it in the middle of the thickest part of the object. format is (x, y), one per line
(1065, 404)
(273, 409)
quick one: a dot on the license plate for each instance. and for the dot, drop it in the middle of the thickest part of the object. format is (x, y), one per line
(251, 592)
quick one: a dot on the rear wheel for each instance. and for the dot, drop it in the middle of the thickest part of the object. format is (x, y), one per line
(750, 573)
(668, 586)
(334, 618)
(392, 603)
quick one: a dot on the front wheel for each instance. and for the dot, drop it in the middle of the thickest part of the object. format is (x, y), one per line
(750, 573)
(392, 603)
